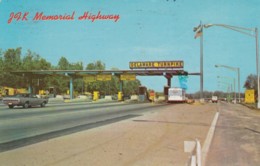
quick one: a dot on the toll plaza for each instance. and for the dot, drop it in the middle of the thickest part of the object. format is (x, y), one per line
(167, 69)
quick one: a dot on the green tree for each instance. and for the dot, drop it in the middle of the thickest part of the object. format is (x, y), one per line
(33, 61)
(76, 66)
(63, 64)
(131, 87)
(11, 62)
(98, 65)
(97, 85)
(12, 59)
(61, 83)
(251, 82)
(1, 65)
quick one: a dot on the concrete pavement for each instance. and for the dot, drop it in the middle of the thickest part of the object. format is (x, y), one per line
(236, 140)
(153, 139)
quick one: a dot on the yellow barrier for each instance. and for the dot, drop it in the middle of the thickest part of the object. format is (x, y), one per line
(95, 95)
(120, 96)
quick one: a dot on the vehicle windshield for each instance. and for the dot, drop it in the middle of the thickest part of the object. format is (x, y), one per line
(21, 95)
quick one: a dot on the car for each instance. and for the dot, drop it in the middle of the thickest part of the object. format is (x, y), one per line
(25, 100)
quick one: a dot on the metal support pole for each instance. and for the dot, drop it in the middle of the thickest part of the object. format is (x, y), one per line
(71, 88)
(30, 89)
(169, 81)
(82, 88)
(235, 96)
(257, 57)
(257, 67)
(201, 62)
(121, 86)
(238, 80)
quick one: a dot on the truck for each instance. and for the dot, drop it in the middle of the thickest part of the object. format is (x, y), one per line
(214, 99)
(25, 100)
(176, 95)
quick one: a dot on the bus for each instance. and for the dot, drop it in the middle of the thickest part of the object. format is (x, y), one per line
(176, 95)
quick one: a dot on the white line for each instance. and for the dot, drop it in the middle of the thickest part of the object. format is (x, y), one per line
(209, 138)
(198, 153)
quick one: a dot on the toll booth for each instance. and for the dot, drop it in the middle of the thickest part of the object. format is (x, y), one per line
(9, 91)
(250, 96)
(142, 93)
(52, 92)
(152, 96)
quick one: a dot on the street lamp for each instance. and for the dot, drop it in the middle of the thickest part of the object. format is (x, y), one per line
(234, 81)
(246, 31)
(222, 86)
(238, 77)
(229, 89)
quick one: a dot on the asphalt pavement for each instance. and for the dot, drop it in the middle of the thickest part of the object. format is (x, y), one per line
(154, 137)
(20, 127)
(236, 140)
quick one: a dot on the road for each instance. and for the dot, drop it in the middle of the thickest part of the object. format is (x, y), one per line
(20, 127)
(144, 134)
(237, 137)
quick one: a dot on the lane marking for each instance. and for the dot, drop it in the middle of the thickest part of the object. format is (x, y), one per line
(209, 138)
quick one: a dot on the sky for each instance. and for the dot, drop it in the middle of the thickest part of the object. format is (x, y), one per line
(147, 30)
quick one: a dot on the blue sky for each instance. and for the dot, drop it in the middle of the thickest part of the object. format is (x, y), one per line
(148, 30)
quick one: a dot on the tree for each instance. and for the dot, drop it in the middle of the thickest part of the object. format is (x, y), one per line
(33, 61)
(61, 83)
(1, 66)
(251, 82)
(97, 85)
(98, 65)
(131, 87)
(11, 62)
(63, 64)
(76, 66)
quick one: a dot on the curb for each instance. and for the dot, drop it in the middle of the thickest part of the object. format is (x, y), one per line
(250, 107)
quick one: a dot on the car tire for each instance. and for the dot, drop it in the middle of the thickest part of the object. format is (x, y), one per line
(43, 104)
(26, 105)
(11, 106)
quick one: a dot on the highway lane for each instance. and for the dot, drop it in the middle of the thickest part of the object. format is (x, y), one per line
(20, 127)
(237, 137)
(19, 112)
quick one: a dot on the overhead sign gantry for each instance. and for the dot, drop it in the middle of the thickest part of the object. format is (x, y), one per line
(155, 64)
(147, 68)
(159, 65)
